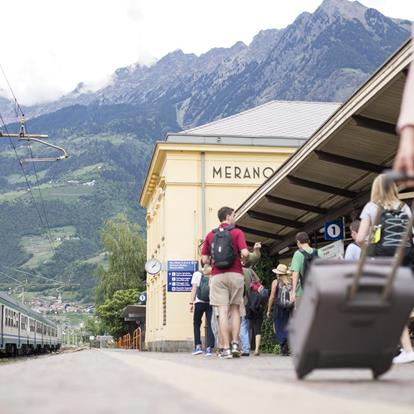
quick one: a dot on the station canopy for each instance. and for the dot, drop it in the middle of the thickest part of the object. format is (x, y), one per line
(331, 174)
(134, 313)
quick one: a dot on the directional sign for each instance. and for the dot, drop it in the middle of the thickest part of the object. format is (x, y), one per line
(179, 275)
(182, 265)
(179, 281)
(334, 230)
(333, 250)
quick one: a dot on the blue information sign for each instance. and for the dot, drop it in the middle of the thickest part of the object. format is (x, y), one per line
(334, 230)
(182, 265)
(179, 275)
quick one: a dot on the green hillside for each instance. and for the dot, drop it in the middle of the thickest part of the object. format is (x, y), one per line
(101, 178)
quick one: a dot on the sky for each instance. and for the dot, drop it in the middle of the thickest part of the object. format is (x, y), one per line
(49, 46)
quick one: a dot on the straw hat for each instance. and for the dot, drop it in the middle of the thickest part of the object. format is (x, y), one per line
(281, 269)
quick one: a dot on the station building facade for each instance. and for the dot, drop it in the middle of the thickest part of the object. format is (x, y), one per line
(194, 173)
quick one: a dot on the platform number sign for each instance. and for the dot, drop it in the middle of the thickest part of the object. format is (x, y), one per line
(334, 230)
(142, 298)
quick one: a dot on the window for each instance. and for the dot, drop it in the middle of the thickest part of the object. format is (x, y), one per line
(32, 325)
(23, 322)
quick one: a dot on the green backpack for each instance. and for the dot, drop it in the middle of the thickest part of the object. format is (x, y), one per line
(203, 289)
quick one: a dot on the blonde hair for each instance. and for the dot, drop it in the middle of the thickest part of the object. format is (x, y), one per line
(384, 196)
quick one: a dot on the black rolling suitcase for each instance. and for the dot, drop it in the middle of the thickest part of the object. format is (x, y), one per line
(352, 314)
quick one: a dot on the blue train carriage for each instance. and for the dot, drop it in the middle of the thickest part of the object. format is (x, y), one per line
(23, 331)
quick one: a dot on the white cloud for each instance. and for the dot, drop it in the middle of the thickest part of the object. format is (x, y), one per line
(52, 45)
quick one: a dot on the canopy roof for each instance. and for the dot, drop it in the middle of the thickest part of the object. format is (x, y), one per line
(331, 174)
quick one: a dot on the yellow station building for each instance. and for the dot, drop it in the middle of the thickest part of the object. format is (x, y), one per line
(194, 173)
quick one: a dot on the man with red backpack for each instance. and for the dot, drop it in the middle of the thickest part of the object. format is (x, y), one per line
(223, 247)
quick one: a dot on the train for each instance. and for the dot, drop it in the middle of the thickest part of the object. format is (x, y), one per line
(25, 332)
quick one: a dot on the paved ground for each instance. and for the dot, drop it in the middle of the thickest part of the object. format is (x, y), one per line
(116, 381)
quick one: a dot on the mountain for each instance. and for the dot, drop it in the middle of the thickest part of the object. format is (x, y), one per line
(322, 56)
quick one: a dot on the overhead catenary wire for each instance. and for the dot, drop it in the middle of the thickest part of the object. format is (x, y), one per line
(11, 90)
(42, 203)
(44, 224)
(27, 181)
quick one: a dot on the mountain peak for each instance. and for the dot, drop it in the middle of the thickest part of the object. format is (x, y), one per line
(345, 8)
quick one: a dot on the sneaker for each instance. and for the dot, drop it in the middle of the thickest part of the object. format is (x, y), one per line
(197, 350)
(235, 350)
(226, 353)
(404, 357)
(245, 354)
(208, 352)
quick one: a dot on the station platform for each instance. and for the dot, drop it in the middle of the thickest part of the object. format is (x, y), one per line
(119, 381)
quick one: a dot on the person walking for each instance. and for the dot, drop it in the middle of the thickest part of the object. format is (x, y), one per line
(353, 251)
(404, 161)
(386, 198)
(223, 247)
(250, 276)
(279, 301)
(257, 298)
(300, 264)
(200, 305)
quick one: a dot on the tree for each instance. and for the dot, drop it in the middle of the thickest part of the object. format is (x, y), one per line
(127, 253)
(110, 312)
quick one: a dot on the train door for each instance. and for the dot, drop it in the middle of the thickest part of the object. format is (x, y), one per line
(1, 325)
(19, 324)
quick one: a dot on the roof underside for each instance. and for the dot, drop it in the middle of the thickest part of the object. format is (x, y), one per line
(331, 174)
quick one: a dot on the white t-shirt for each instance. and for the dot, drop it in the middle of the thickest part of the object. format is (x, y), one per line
(353, 251)
(370, 211)
(195, 280)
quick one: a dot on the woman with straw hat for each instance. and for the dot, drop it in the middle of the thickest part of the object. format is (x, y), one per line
(280, 301)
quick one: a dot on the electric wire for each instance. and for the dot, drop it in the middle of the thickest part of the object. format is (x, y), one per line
(25, 176)
(46, 226)
(11, 90)
(38, 275)
(42, 203)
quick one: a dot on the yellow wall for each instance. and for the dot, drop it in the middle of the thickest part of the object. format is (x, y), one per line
(173, 197)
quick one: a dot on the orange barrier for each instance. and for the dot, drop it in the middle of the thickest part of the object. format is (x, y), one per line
(137, 339)
(125, 342)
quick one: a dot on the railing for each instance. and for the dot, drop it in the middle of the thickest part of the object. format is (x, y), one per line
(126, 342)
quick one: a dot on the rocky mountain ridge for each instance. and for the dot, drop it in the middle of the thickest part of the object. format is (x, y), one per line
(325, 55)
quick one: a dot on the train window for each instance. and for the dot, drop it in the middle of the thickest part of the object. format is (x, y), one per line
(32, 325)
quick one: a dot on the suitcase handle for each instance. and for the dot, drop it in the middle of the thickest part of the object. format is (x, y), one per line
(390, 177)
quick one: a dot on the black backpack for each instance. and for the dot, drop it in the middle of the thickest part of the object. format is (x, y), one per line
(392, 228)
(256, 301)
(309, 257)
(222, 250)
(283, 295)
(203, 289)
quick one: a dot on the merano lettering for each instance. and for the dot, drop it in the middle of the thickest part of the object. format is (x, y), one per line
(230, 172)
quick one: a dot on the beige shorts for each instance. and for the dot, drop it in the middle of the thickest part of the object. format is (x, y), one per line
(226, 289)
